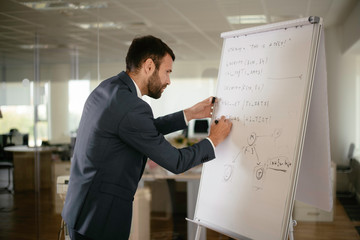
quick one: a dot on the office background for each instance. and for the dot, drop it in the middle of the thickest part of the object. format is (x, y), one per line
(53, 53)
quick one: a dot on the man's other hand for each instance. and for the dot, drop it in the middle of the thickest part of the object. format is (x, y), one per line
(220, 129)
(200, 110)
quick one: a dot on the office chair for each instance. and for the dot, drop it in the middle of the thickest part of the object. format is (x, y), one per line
(9, 166)
(6, 161)
(347, 170)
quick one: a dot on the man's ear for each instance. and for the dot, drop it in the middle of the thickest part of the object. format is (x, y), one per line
(149, 66)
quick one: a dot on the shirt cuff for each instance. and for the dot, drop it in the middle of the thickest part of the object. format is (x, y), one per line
(186, 121)
(211, 143)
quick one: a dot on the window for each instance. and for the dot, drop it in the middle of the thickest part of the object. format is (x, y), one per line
(19, 117)
(79, 90)
(18, 112)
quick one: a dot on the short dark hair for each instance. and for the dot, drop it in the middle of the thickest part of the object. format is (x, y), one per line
(146, 47)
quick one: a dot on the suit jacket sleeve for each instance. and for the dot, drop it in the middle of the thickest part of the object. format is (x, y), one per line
(139, 130)
(170, 123)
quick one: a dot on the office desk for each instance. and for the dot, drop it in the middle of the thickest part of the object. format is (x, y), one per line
(193, 180)
(24, 167)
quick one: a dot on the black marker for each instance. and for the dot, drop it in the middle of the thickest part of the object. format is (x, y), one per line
(213, 100)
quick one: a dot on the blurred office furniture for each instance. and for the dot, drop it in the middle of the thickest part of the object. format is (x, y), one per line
(192, 179)
(201, 126)
(6, 162)
(344, 186)
(140, 224)
(62, 151)
(9, 166)
(62, 183)
(59, 182)
(198, 128)
(24, 166)
(15, 137)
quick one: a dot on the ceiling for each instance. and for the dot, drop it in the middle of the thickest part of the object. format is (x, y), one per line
(191, 28)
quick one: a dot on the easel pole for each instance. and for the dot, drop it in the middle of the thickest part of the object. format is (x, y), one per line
(292, 224)
(198, 232)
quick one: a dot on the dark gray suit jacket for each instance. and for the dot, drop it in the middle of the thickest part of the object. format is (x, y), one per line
(116, 135)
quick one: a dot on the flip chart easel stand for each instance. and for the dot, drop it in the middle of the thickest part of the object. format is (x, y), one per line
(292, 224)
(198, 229)
(198, 232)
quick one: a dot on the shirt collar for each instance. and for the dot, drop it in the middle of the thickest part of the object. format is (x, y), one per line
(138, 92)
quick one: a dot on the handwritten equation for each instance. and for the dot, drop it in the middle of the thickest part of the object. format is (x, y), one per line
(240, 60)
(246, 103)
(250, 119)
(244, 87)
(255, 46)
(247, 62)
(247, 72)
(240, 66)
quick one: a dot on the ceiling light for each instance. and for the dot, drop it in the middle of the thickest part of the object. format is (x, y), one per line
(247, 19)
(100, 25)
(38, 46)
(60, 5)
(284, 18)
(136, 26)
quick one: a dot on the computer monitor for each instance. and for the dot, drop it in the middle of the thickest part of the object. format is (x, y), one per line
(199, 128)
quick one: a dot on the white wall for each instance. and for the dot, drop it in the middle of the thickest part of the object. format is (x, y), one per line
(351, 29)
(341, 72)
(343, 68)
(59, 129)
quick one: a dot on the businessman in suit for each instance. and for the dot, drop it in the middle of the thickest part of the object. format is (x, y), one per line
(116, 135)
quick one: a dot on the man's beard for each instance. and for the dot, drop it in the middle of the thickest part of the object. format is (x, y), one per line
(154, 85)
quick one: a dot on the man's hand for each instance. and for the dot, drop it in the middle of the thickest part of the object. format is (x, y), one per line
(200, 110)
(220, 129)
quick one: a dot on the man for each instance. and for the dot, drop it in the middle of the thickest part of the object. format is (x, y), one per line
(117, 134)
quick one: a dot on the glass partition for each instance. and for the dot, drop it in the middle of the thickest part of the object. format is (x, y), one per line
(64, 84)
(17, 129)
(43, 88)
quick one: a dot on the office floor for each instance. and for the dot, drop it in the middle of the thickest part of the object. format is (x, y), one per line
(22, 219)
